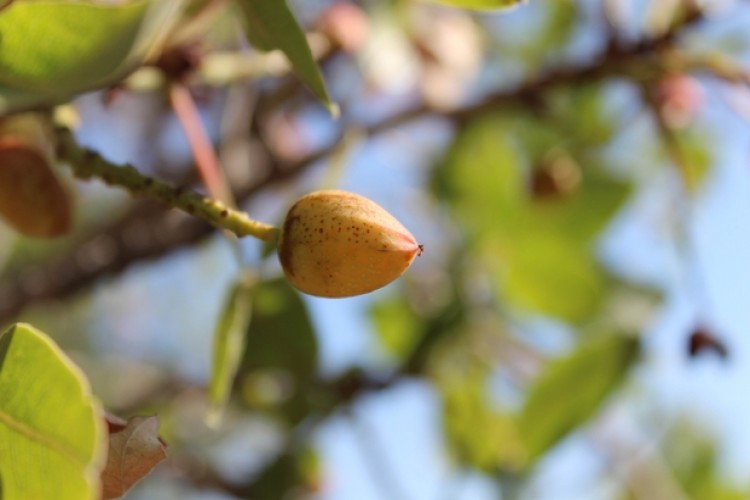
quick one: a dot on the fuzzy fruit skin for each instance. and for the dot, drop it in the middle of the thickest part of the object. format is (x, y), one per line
(339, 244)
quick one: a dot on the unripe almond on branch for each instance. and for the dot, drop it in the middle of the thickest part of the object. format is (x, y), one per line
(32, 198)
(339, 244)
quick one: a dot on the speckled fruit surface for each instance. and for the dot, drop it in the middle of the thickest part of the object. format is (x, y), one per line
(339, 244)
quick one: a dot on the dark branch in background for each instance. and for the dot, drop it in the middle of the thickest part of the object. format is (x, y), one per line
(148, 232)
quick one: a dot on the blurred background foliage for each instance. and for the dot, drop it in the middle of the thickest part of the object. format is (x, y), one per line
(511, 144)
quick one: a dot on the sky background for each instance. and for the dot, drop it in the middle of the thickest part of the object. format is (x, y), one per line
(403, 423)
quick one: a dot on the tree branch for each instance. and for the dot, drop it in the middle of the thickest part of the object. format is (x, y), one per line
(87, 164)
(167, 232)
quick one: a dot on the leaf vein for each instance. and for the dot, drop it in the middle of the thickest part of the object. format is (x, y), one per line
(53, 443)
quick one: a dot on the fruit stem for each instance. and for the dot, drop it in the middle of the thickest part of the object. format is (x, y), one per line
(88, 164)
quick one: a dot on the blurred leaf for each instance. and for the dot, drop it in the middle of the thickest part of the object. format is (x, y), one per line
(466, 410)
(398, 327)
(694, 459)
(586, 212)
(538, 252)
(561, 17)
(584, 115)
(542, 41)
(547, 272)
(572, 389)
(281, 334)
(229, 342)
(51, 428)
(134, 449)
(281, 355)
(481, 176)
(695, 156)
(627, 306)
(482, 4)
(44, 57)
(297, 471)
(271, 25)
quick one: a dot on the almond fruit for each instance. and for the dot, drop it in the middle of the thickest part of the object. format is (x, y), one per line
(339, 244)
(32, 198)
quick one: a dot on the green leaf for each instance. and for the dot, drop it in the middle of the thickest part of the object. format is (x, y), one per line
(695, 150)
(297, 470)
(50, 51)
(538, 252)
(51, 427)
(281, 356)
(481, 4)
(695, 461)
(572, 389)
(482, 176)
(586, 212)
(229, 343)
(466, 409)
(547, 272)
(398, 326)
(271, 25)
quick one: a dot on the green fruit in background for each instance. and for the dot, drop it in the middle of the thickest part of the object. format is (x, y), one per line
(339, 244)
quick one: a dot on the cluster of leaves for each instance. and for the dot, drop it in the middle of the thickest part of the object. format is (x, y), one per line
(528, 187)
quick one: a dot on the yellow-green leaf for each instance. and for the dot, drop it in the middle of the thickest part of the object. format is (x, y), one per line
(50, 51)
(229, 342)
(481, 4)
(397, 325)
(572, 389)
(549, 273)
(52, 440)
(271, 25)
(467, 408)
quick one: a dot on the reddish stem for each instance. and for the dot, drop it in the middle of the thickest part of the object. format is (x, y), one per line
(203, 151)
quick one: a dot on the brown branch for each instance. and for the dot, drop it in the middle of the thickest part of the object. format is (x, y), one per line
(163, 232)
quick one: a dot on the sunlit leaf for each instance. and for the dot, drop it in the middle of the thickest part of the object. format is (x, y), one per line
(539, 252)
(571, 389)
(584, 213)
(547, 272)
(695, 157)
(52, 50)
(466, 408)
(482, 4)
(134, 449)
(271, 25)
(482, 176)
(229, 342)
(51, 428)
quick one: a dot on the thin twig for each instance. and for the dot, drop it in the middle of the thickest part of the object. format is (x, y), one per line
(87, 164)
(203, 151)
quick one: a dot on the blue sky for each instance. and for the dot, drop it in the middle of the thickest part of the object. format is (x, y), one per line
(406, 420)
